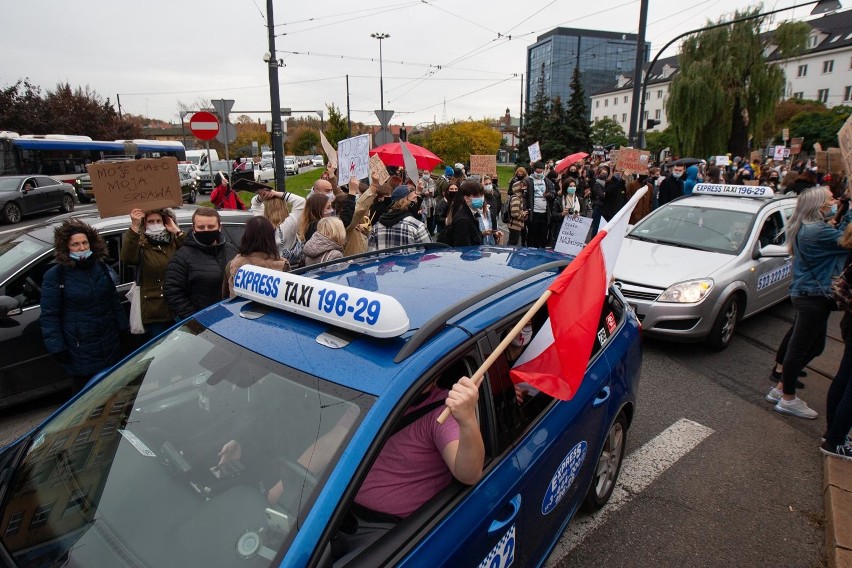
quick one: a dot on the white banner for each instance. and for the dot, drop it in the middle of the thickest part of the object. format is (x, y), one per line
(535, 152)
(353, 155)
(572, 235)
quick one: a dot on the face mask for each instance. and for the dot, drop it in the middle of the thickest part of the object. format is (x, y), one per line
(538, 175)
(82, 255)
(616, 176)
(154, 228)
(677, 175)
(602, 176)
(206, 238)
(524, 337)
(477, 202)
(329, 213)
(330, 196)
(572, 190)
(488, 188)
(833, 210)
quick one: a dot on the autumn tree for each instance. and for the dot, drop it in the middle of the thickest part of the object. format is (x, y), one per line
(725, 89)
(606, 131)
(337, 127)
(302, 140)
(455, 142)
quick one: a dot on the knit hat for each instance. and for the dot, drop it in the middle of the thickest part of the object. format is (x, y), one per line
(401, 191)
(448, 171)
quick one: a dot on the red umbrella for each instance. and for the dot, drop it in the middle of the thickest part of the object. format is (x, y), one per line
(565, 162)
(391, 155)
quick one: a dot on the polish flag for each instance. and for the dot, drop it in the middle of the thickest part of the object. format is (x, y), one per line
(555, 360)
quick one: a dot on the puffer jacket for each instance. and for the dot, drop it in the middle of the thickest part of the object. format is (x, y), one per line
(84, 318)
(194, 275)
(154, 258)
(321, 249)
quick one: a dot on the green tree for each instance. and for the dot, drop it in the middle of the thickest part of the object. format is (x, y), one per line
(725, 89)
(557, 133)
(535, 123)
(657, 141)
(578, 116)
(455, 142)
(606, 131)
(303, 140)
(337, 128)
(819, 126)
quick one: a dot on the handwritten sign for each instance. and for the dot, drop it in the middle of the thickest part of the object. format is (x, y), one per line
(146, 184)
(572, 235)
(353, 158)
(796, 145)
(330, 152)
(535, 152)
(483, 164)
(844, 136)
(723, 160)
(778, 153)
(378, 169)
(613, 159)
(633, 160)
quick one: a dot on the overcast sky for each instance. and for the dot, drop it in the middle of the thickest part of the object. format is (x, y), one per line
(155, 53)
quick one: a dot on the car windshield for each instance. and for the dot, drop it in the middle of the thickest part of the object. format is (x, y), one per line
(9, 184)
(14, 253)
(701, 228)
(193, 452)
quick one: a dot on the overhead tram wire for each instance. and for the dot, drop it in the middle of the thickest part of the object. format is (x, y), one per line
(216, 89)
(347, 20)
(472, 22)
(374, 8)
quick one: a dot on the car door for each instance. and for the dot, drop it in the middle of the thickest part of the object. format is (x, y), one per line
(31, 199)
(769, 277)
(52, 192)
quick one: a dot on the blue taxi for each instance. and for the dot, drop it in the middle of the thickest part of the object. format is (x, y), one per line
(303, 377)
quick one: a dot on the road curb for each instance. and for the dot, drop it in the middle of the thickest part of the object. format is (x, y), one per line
(837, 490)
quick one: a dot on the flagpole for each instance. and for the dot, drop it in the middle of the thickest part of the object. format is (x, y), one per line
(480, 372)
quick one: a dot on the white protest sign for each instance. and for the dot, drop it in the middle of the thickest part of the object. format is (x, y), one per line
(330, 152)
(572, 235)
(535, 152)
(353, 158)
(779, 153)
(723, 160)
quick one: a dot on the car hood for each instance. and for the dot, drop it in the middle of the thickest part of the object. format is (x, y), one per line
(660, 266)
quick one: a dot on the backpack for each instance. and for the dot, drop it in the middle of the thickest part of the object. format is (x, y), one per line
(507, 209)
(445, 237)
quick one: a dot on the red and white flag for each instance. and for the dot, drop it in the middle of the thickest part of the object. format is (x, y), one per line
(555, 360)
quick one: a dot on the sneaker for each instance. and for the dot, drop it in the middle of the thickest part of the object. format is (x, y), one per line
(843, 451)
(774, 395)
(796, 407)
(775, 377)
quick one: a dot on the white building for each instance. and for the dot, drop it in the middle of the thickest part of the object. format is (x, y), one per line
(823, 72)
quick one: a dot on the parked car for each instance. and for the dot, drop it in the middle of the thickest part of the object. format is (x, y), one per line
(83, 188)
(696, 266)
(189, 168)
(26, 369)
(26, 195)
(205, 178)
(188, 187)
(312, 374)
(317, 161)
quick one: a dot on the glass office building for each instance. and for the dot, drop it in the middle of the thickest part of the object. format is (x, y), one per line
(601, 56)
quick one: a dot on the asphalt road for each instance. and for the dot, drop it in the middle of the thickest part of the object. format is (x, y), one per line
(746, 491)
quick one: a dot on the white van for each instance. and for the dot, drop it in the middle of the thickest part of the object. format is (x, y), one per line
(199, 157)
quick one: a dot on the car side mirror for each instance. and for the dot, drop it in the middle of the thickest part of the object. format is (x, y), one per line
(773, 251)
(10, 306)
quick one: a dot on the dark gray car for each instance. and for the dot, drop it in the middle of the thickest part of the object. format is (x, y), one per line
(27, 371)
(25, 195)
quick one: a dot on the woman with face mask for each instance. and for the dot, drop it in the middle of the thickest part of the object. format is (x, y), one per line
(81, 312)
(149, 244)
(470, 227)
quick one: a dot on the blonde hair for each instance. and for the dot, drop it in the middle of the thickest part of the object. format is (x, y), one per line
(846, 239)
(275, 209)
(333, 228)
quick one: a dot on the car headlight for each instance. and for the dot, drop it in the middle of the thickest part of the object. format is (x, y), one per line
(687, 292)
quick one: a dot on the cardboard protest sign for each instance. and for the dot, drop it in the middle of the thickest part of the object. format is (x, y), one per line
(353, 158)
(483, 164)
(634, 161)
(535, 152)
(836, 163)
(146, 184)
(378, 169)
(330, 152)
(844, 136)
(572, 235)
(723, 160)
(613, 159)
(796, 145)
(817, 147)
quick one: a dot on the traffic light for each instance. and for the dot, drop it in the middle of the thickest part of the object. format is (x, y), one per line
(651, 123)
(403, 135)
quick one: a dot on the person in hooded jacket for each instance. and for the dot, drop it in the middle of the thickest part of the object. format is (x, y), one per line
(150, 243)
(691, 180)
(327, 243)
(397, 227)
(195, 273)
(81, 311)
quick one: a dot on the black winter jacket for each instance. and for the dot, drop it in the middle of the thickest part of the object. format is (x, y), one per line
(615, 196)
(670, 188)
(195, 274)
(465, 228)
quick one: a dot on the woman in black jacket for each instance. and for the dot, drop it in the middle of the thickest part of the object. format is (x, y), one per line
(466, 228)
(81, 312)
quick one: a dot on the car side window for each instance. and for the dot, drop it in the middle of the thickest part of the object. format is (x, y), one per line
(46, 181)
(772, 231)
(126, 273)
(26, 287)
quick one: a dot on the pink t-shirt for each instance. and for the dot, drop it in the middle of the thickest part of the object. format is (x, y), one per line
(410, 468)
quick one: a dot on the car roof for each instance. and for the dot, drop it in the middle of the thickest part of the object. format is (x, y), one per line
(744, 204)
(20, 177)
(448, 295)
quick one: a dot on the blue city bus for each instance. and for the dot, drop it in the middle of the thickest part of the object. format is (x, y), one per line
(64, 156)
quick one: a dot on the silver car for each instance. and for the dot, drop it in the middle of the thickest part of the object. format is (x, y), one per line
(696, 266)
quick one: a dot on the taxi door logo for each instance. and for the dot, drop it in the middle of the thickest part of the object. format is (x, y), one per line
(503, 554)
(565, 475)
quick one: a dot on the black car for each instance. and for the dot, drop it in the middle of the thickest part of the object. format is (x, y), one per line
(188, 187)
(26, 369)
(83, 185)
(25, 195)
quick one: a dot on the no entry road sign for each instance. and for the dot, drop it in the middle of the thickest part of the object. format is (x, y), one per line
(204, 125)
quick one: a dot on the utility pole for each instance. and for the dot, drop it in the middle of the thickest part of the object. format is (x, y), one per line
(275, 103)
(348, 117)
(637, 75)
(118, 100)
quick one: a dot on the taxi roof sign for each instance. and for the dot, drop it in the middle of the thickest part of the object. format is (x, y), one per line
(758, 191)
(362, 311)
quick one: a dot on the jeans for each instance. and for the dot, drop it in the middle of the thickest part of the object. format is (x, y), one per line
(514, 237)
(838, 401)
(807, 339)
(537, 230)
(154, 329)
(596, 220)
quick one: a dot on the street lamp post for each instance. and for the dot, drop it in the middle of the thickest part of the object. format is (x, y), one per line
(822, 6)
(380, 37)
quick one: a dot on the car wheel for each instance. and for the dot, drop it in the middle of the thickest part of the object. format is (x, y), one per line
(67, 204)
(608, 466)
(12, 213)
(725, 324)
(192, 195)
